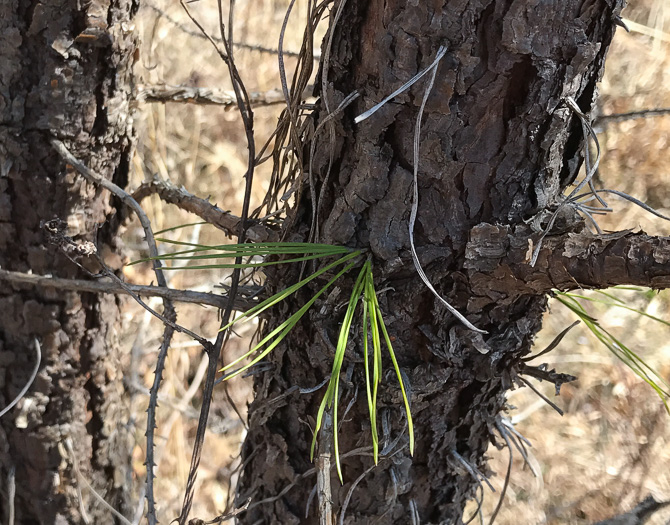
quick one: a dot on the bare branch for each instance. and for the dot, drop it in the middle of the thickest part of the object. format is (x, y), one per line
(499, 262)
(105, 286)
(33, 375)
(99, 180)
(631, 115)
(241, 45)
(213, 351)
(207, 211)
(323, 467)
(207, 96)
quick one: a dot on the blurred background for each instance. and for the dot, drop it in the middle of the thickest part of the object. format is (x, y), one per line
(612, 446)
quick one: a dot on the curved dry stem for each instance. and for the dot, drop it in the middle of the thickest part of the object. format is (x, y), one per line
(33, 375)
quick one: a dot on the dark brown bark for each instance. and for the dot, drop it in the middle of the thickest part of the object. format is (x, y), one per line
(65, 73)
(498, 145)
(499, 270)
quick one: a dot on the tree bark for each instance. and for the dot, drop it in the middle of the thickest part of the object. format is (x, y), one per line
(498, 146)
(65, 73)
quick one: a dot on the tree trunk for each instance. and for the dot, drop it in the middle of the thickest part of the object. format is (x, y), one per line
(498, 146)
(65, 73)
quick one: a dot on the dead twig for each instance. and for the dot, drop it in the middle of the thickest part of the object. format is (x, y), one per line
(33, 375)
(169, 312)
(241, 45)
(323, 466)
(128, 200)
(206, 96)
(223, 517)
(631, 115)
(207, 211)
(111, 287)
(213, 351)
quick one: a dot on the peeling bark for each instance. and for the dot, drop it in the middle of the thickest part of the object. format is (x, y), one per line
(64, 72)
(498, 145)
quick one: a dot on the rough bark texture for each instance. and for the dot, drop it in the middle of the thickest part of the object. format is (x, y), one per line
(497, 146)
(65, 71)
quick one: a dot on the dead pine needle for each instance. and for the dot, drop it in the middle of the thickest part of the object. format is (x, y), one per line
(415, 198)
(33, 375)
(70, 450)
(432, 68)
(541, 395)
(508, 474)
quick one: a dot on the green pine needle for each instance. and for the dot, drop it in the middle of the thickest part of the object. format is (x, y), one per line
(278, 334)
(280, 296)
(616, 346)
(230, 251)
(330, 398)
(363, 291)
(364, 287)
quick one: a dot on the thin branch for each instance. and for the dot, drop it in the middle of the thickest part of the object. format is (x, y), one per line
(33, 375)
(631, 115)
(169, 318)
(207, 96)
(213, 351)
(567, 261)
(241, 45)
(104, 286)
(128, 200)
(323, 467)
(169, 312)
(207, 211)
(229, 515)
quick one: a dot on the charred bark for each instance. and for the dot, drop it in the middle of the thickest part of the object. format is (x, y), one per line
(498, 145)
(65, 73)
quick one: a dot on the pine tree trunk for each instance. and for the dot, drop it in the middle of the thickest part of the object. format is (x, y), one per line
(65, 73)
(498, 145)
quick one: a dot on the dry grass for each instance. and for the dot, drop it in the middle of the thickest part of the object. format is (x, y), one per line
(612, 446)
